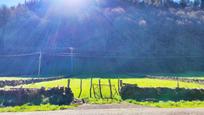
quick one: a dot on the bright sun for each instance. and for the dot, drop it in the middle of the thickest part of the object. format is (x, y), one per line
(66, 7)
(72, 4)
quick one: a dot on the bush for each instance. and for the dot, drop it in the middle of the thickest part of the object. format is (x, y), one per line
(56, 96)
(60, 96)
(157, 94)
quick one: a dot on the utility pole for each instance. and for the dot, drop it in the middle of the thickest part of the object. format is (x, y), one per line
(71, 58)
(39, 63)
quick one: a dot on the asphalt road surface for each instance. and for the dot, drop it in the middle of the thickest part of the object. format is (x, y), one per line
(117, 109)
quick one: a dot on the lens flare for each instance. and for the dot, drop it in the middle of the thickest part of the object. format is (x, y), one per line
(69, 6)
(75, 3)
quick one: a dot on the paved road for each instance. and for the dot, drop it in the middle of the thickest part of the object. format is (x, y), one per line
(116, 110)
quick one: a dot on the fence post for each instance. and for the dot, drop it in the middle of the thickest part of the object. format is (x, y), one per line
(121, 84)
(68, 85)
(118, 85)
(90, 88)
(94, 91)
(111, 92)
(39, 63)
(100, 90)
(177, 82)
(80, 89)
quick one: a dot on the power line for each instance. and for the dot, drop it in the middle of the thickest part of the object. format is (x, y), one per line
(100, 55)
(19, 55)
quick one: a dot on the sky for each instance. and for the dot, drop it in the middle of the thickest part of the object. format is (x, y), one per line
(10, 2)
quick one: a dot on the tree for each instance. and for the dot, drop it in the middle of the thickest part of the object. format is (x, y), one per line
(202, 4)
(4, 16)
(183, 3)
(196, 3)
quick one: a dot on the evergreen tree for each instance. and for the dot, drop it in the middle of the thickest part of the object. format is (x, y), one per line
(4, 16)
(183, 3)
(202, 4)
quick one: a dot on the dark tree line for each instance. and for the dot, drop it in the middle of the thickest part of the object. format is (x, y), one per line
(120, 29)
(4, 17)
(170, 3)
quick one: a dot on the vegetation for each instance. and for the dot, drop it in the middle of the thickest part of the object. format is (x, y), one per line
(30, 108)
(113, 37)
(160, 104)
(20, 96)
(170, 104)
(160, 94)
(141, 82)
(127, 36)
(171, 3)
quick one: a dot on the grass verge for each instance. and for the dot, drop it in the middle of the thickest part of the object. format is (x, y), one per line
(170, 104)
(160, 104)
(28, 108)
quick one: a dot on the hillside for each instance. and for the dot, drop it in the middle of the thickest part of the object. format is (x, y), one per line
(141, 36)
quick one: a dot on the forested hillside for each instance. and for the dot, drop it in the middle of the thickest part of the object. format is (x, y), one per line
(159, 29)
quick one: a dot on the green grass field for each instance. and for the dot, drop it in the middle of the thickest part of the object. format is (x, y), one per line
(141, 82)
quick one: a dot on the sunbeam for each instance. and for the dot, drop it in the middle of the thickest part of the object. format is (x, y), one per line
(69, 6)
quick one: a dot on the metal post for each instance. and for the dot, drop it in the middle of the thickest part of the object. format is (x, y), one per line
(39, 63)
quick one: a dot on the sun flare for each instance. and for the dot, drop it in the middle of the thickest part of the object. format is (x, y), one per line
(72, 4)
(69, 7)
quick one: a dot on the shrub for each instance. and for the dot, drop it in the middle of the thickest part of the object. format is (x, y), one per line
(56, 96)
(157, 94)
